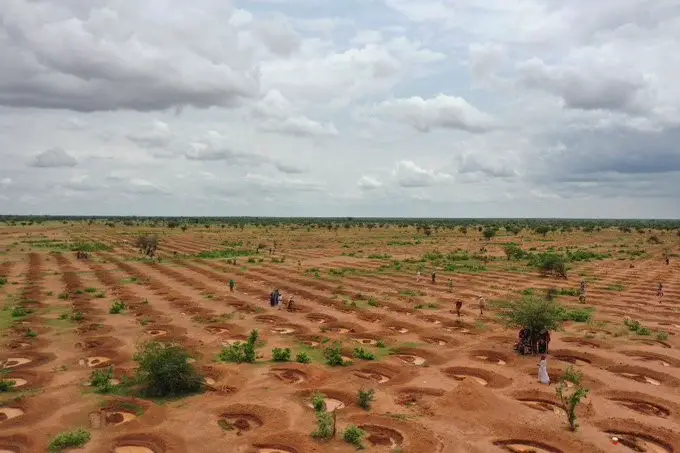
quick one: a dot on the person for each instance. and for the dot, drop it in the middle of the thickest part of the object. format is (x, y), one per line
(668, 260)
(418, 276)
(543, 377)
(291, 303)
(279, 299)
(232, 283)
(433, 277)
(659, 292)
(582, 292)
(459, 305)
(523, 345)
(273, 297)
(450, 285)
(482, 305)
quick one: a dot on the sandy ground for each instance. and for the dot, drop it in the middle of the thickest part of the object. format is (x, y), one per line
(442, 384)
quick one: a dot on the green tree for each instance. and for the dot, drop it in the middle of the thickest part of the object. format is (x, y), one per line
(164, 370)
(570, 398)
(533, 313)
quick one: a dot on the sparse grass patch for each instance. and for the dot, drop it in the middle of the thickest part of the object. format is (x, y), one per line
(117, 307)
(69, 439)
(361, 353)
(411, 293)
(365, 398)
(615, 287)
(354, 436)
(333, 355)
(241, 352)
(303, 357)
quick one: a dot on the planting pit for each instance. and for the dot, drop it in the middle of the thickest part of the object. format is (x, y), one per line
(398, 329)
(381, 436)
(571, 358)
(13, 362)
(138, 443)
(411, 359)
(525, 446)
(366, 341)
(274, 449)
(332, 404)
(373, 376)
(492, 357)
(414, 395)
(14, 444)
(156, 332)
(216, 330)
(643, 407)
(320, 318)
(640, 443)
(239, 422)
(290, 375)
(95, 361)
(283, 330)
(8, 413)
(439, 341)
(483, 377)
(18, 382)
(640, 378)
(269, 319)
(233, 341)
(544, 406)
(650, 357)
(117, 417)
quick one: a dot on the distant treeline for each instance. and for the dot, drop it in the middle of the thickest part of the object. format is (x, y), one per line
(512, 225)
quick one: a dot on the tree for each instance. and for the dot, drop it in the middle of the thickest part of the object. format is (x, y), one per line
(147, 244)
(543, 230)
(164, 370)
(489, 233)
(570, 399)
(533, 313)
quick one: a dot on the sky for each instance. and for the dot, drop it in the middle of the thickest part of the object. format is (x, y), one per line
(398, 108)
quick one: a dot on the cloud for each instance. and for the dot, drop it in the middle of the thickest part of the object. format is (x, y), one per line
(278, 36)
(409, 175)
(54, 157)
(6, 182)
(143, 187)
(111, 56)
(157, 135)
(439, 112)
(493, 166)
(82, 183)
(278, 115)
(367, 182)
(289, 168)
(587, 89)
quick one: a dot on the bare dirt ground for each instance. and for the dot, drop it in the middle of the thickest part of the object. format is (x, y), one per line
(442, 384)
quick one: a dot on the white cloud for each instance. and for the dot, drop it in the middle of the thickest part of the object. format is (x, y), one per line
(157, 135)
(409, 175)
(367, 182)
(5, 181)
(278, 115)
(441, 111)
(54, 157)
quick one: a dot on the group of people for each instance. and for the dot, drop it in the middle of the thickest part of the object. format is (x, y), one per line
(276, 300)
(527, 344)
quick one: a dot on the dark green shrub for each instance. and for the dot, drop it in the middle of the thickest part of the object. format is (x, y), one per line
(333, 355)
(360, 353)
(319, 402)
(354, 436)
(100, 380)
(281, 355)
(365, 398)
(241, 352)
(117, 307)
(164, 370)
(6, 386)
(69, 439)
(325, 425)
(303, 357)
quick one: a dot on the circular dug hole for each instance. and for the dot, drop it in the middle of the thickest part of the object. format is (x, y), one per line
(115, 417)
(382, 436)
(640, 378)
(544, 406)
(239, 422)
(8, 413)
(290, 376)
(274, 449)
(13, 362)
(94, 361)
(332, 404)
(283, 330)
(520, 446)
(640, 443)
(643, 407)
(411, 359)
(492, 357)
(366, 341)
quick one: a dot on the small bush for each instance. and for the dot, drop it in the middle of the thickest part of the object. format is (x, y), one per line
(333, 355)
(380, 344)
(571, 399)
(354, 436)
(365, 398)
(372, 302)
(31, 333)
(281, 355)
(662, 336)
(3, 281)
(63, 296)
(319, 402)
(303, 357)
(117, 307)
(241, 352)
(90, 290)
(164, 370)
(644, 331)
(325, 426)
(362, 354)
(6, 386)
(77, 316)
(19, 312)
(100, 380)
(577, 315)
(69, 439)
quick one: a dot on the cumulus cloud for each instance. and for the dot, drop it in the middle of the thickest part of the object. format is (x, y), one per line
(585, 88)
(54, 157)
(290, 169)
(439, 112)
(409, 175)
(5, 182)
(157, 135)
(82, 183)
(106, 56)
(278, 36)
(278, 115)
(367, 182)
